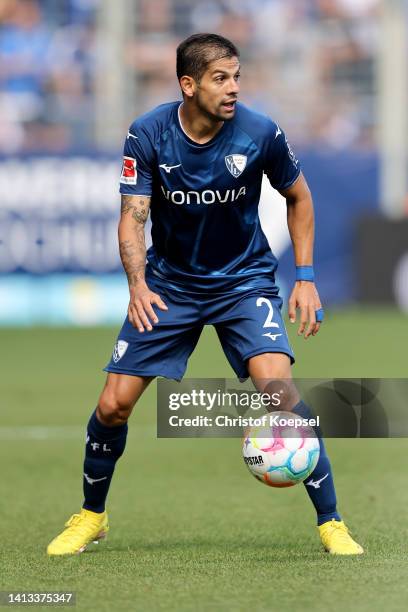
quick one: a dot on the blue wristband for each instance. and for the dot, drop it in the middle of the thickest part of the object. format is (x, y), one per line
(305, 273)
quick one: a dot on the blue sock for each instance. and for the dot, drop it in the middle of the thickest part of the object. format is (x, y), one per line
(319, 485)
(104, 446)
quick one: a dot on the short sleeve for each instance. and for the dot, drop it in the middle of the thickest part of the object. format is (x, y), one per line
(137, 166)
(280, 163)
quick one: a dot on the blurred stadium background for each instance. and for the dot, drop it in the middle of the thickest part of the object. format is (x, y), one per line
(74, 74)
(192, 531)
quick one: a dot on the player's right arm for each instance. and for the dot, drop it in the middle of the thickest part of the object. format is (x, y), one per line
(132, 247)
(136, 188)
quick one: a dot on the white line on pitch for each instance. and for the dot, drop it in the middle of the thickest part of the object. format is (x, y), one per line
(67, 432)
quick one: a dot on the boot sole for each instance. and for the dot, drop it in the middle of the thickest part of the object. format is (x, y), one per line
(102, 535)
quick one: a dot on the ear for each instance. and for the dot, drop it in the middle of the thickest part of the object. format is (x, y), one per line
(188, 86)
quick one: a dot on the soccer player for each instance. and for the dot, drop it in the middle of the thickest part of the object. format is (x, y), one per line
(197, 166)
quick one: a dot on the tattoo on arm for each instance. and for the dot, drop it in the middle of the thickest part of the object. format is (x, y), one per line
(137, 206)
(133, 260)
(132, 245)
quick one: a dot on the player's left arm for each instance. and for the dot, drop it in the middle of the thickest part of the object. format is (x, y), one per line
(301, 228)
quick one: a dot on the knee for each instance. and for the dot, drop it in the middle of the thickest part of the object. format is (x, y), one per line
(113, 409)
(268, 367)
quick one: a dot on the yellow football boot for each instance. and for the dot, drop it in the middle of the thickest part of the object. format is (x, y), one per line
(81, 529)
(336, 539)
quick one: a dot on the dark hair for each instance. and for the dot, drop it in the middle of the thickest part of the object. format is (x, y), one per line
(196, 52)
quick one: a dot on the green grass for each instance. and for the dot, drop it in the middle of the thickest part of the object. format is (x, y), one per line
(190, 528)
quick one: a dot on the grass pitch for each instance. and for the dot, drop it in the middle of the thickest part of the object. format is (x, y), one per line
(190, 528)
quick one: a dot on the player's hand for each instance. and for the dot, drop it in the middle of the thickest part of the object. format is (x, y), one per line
(140, 311)
(305, 298)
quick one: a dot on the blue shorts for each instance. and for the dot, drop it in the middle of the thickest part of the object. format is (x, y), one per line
(248, 323)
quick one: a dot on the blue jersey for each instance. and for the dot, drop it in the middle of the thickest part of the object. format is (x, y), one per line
(206, 231)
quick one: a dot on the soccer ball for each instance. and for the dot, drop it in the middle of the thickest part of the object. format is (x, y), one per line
(281, 455)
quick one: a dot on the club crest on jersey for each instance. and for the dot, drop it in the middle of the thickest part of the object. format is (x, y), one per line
(129, 173)
(119, 350)
(236, 164)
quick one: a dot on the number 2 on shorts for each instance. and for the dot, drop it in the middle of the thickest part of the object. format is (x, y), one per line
(268, 320)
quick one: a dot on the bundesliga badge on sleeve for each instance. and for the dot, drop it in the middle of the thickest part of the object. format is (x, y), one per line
(129, 173)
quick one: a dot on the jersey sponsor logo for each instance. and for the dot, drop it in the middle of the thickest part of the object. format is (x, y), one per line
(204, 197)
(119, 350)
(167, 168)
(129, 173)
(130, 135)
(236, 164)
(278, 131)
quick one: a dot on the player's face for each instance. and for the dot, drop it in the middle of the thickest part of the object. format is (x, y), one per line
(218, 89)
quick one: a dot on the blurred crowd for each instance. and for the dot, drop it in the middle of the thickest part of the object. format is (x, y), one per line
(308, 63)
(47, 70)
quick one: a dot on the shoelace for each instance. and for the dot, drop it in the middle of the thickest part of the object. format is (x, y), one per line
(342, 531)
(76, 525)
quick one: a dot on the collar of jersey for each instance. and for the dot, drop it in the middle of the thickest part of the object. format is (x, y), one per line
(193, 142)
